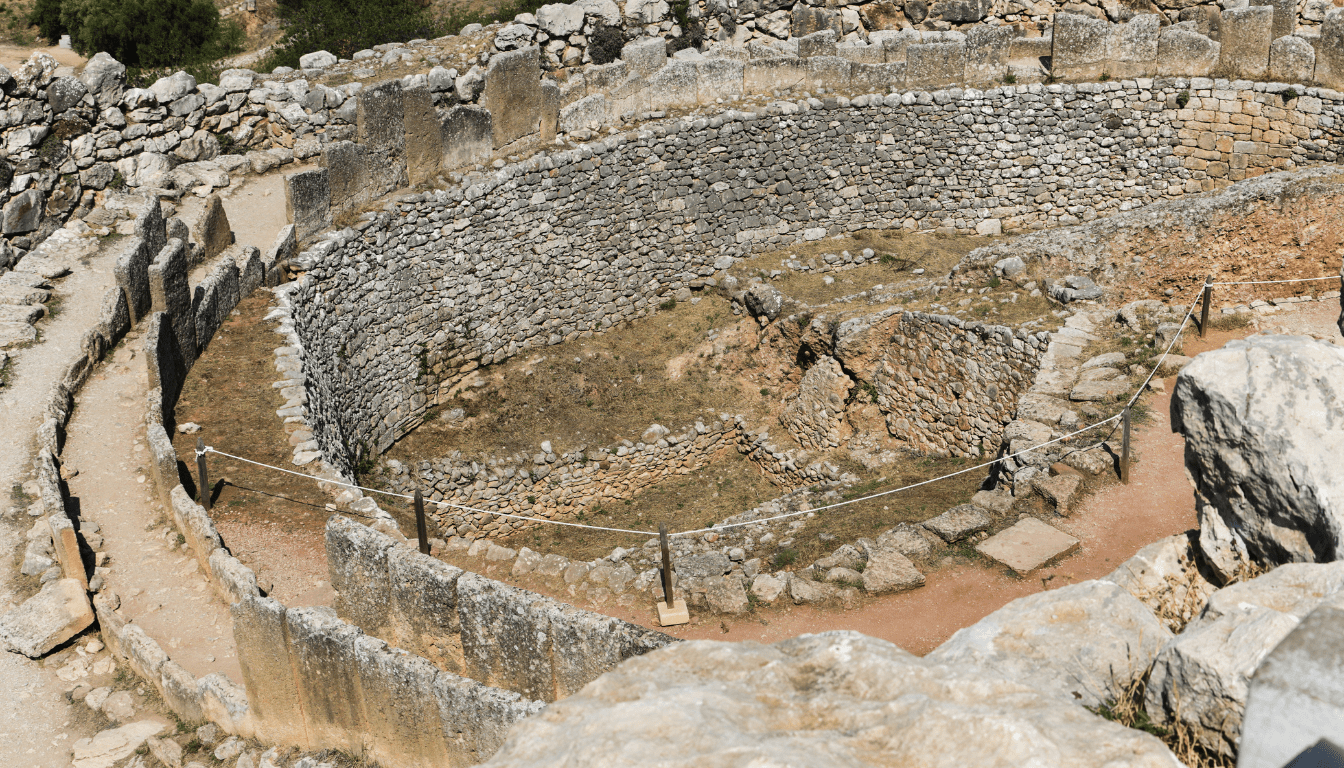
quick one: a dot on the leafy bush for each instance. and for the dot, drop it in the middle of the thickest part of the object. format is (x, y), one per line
(141, 33)
(605, 44)
(692, 30)
(1182, 99)
(342, 27)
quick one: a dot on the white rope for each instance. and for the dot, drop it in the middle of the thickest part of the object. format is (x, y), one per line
(1189, 313)
(1272, 282)
(904, 488)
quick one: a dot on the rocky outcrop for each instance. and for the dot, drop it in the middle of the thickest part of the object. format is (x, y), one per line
(55, 614)
(1263, 421)
(1166, 576)
(1084, 643)
(814, 416)
(828, 700)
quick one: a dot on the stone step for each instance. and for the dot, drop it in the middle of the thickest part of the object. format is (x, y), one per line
(21, 313)
(14, 334)
(1027, 545)
(16, 294)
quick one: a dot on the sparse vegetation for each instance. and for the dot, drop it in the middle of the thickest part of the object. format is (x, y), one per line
(343, 27)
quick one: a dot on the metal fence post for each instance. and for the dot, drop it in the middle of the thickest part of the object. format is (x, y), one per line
(1124, 449)
(1204, 313)
(420, 529)
(667, 564)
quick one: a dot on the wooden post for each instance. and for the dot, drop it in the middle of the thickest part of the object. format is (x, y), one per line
(667, 564)
(420, 522)
(1204, 312)
(203, 491)
(1124, 450)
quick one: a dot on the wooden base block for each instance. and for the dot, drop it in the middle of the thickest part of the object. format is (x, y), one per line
(677, 614)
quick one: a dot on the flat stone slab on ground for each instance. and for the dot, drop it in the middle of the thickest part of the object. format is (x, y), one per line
(959, 522)
(1027, 545)
(14, 334)
(57, 613)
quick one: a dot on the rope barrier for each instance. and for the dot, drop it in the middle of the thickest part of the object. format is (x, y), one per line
(1166, 353)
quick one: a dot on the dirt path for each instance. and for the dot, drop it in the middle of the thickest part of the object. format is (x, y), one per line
(35, 715)
(157, 578)
(13, 56)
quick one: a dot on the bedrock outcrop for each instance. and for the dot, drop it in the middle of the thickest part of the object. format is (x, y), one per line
(1263, 421)
(827, 700)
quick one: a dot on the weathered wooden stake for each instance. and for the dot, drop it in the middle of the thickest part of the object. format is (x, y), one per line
(203, 491)
(1124, 450)
(420, 522)
(667, 564)
(1204, 313)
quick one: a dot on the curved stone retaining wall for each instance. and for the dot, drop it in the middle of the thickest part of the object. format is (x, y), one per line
(560, 245)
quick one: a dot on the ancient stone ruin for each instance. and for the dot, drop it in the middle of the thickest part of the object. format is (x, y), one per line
(1101, 163)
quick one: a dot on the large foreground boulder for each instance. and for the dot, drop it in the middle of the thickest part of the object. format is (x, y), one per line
(1203, 676)
(1086, 643)
(55, 614)
(1263, 421)
(831, 700)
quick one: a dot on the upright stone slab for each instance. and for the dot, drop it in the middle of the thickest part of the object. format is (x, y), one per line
(132, 272)
(1080, 47)
(513, 95)
(424, 136)
(400, 708)
(930, 65)
(1330, 52)
(1246, 37)
(212, 230)
(987, 52)
(1291, 60)
(1184, 53)
(817, 44)
(268, 672)
(808, 19)
(1285, 18)
(589, 644)
(167, 369)
(468, 136)
(308, 201)
(644, 56)
(215, 298)
(380, 128)
(506, 636)
(550, 110)
(347, 167)
(150, 226)
(326, 674)
(170, 290)
(357, 566)
(675, 85)
(1133, 47)
(423, 607)
(1297, 693)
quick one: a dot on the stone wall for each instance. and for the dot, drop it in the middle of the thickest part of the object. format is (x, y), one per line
(470, 625)
(396, 310)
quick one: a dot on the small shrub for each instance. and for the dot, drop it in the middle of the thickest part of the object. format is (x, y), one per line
(605, 44)
(1182, 99)
(1010, 78)
(995, 282)
(785, 557)
(668, 305)
(765, 392)
(1290, 94)
(531, 499)
(227, 146)
(886, 259)
(1104, 77)
(141, 33)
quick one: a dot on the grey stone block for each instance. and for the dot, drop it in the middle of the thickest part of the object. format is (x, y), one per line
(513, 95)
(929, 65)
(22, 213)
(424, 136)
(327, 676)
(1330, 52)
(423, 615)
(1245, 37)
(1080, 49)
(468, 136)
(1185, 53)
(589, 644)
(357, 563)
(58, 612)
(820, 43)
(308, 198)
(1133, 47)
(1291, 60)
(163, 357)
(643, 57)
(506, 636)
(212, 230)
(170, 293)
(114, 318)
(987, 53)
(259, 632)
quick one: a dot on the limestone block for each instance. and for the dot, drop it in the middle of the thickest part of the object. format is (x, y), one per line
(212, 230)
(1330, 52)
(468, 136)
(114, 319)
(894, 44)
(1085, 643)
(878, 78)
(1133, 47)
(268, 673)
(490, 711)
(64, 93)
(58, 612)
(65, 542)
(1285, 18)
(1027, 545)
(358, 569)
(107, 747)
(1245, 37)
(1291, 60)
(889, 571)
(380, 130)
(506, 636)
(718, 79)
(808, 19)
(251, 272)
(1185, 53)
(589, 644)
(513, 94)
(551, 101)
(987, 53)
(308, 201)
(224, 703)
(644, 56)
(814, 415)
(929, 65)
(424, 136)
(326, 675)
(422, 615)
(167, 368)
(883, 15)
(675, 85)
(401, 712)
(195, 525)
(560, 19)
(1081, 47)
(347, 167)
(860, 53)
(960, 11)
(1295, 695)
(817, 700)
(233, 580)
(180, 692)
(1261, 468)
(1165, 575)
(170, 293)
(817, 44)
(22, 213)
(589, 112)
(215, 298)
(132, 272)
(958, 522)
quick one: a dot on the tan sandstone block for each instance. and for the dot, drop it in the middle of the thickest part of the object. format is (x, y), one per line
(1208, 140)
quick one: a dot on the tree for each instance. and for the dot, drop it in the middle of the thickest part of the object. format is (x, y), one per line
(345, 26)
(140, 33)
